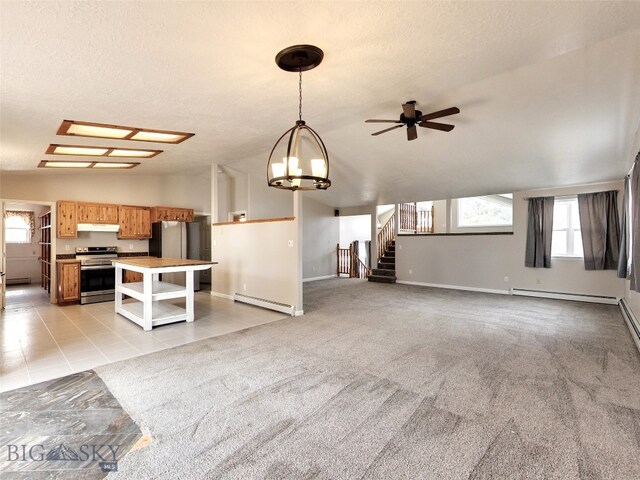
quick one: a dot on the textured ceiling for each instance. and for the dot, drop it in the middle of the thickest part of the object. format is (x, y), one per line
(549, 91)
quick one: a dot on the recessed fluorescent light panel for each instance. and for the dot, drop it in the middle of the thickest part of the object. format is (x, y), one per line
(80, 164)
(101, 130)
(100, 151)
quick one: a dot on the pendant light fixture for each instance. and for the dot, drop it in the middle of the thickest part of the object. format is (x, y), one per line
(299, 159)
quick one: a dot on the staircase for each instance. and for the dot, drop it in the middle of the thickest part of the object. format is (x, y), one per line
(386, 271)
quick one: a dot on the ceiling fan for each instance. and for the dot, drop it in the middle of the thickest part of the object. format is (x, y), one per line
(412, 117)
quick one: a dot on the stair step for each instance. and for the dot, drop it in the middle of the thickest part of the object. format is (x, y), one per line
(387, 259)
(384, 272)
(382, 279)
(392, 248)
(389, 253)
(386, 265)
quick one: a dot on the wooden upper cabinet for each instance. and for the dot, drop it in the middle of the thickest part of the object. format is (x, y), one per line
(97, 213)
(67, 219)
(159, 214)
(135, 222)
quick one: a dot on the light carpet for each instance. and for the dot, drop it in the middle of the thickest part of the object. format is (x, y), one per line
(393, 382)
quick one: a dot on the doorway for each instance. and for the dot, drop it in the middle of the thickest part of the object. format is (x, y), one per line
(27, 253)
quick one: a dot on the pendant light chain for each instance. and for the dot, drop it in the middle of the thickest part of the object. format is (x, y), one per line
(300, 96)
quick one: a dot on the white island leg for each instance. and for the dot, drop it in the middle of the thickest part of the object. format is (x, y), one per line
(118, 284)
(190, 295)
(147, 303)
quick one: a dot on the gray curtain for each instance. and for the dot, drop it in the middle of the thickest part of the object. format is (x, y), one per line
(600, 229)
(539, 231)
(634, 227)
(623, 260)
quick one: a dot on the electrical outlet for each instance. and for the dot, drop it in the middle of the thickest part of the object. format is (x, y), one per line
(506, 278)
(313, 268)
(215, 242)
(67, 247)
(290, 243)
(244, 287)
(410, 272)
(400, 247)
(131, 246)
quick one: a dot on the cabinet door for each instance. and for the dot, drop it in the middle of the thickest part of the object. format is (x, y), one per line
(131, 276)
(109, 214)
(87, 213)
(125, 220)
(68, 282)
(67, 219)
(188, 215)
(143, 222)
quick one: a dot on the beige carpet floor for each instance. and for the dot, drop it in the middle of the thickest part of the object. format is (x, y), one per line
(393, 382)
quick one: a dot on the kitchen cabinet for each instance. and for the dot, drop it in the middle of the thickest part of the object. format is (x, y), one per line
(97, 213)
(159, 214)
(68, 281)
(135, 222)
(67, 219)
(131, 276)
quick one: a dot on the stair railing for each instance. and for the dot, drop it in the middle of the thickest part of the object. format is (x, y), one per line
(408, 216)
(386, 235)
(359, 269)
(344, 260)
(350, 264)
(424, 223)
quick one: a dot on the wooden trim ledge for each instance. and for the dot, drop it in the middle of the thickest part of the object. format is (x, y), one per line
(258, 220)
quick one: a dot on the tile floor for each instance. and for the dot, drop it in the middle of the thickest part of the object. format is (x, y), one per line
(40, 341)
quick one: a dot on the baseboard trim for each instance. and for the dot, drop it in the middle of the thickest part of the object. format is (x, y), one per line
(313, 279)
(298, 313)
(576, 297)
(455, 287)
(221, 295)
(631, 321)
(265, 303)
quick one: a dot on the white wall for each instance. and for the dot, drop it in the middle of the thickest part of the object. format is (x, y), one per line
(268, 202)
(255, 259)
(482, 261)
(320, 233)
(354, 227)
(145, 190)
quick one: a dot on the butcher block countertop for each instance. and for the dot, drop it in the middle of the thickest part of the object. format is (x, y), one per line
(153, 262)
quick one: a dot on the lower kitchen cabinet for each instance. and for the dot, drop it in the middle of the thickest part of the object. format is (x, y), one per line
(68, 282)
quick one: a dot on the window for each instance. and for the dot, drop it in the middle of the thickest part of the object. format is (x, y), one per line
(487, 211)
(17, 230)
(567, 237)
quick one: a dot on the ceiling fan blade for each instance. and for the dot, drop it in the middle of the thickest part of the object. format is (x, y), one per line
(445, 127)
(409, 110)
(412, 133)
(387, 129)
(442, 113)
(375, 120)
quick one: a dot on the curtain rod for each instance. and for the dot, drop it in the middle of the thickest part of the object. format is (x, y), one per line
(569, 195)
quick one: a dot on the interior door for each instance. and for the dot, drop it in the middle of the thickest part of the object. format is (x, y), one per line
(3, 261)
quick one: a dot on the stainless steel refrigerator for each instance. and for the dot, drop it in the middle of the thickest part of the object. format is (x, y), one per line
(176, 240)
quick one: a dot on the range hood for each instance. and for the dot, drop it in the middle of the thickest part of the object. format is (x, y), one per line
(98, 227)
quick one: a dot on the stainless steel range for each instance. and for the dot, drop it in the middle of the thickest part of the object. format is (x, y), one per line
(97, 274)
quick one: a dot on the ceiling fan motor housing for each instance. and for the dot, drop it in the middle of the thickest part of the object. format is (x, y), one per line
(410, 121)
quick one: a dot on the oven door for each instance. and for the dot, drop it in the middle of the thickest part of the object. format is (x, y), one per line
(97, 280)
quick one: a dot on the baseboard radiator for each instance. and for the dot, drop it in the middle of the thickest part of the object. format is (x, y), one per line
(577, 297)
(264, 303)
(632, 322)
(19, 281)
